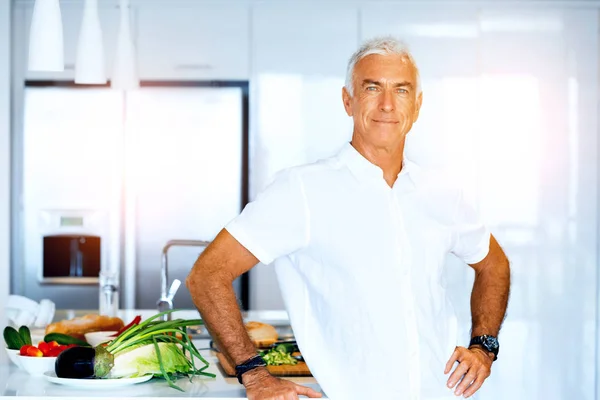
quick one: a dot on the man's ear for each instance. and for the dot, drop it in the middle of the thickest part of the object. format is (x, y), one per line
(418, 104)
(347, 99)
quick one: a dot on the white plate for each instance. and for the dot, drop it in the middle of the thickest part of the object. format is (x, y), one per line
(95, 383)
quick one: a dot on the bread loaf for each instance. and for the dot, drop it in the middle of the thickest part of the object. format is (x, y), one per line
(78, 327)
(262, 335)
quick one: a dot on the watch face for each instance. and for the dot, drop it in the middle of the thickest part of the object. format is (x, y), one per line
(490, 342)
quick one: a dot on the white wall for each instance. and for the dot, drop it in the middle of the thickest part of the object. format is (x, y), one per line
(5, 117)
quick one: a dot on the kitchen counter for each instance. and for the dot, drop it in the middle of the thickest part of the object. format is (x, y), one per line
(14, 382)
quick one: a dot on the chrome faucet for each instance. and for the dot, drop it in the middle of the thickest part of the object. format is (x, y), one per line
(166, 297)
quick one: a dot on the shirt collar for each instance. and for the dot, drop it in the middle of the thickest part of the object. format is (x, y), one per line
(365, 170)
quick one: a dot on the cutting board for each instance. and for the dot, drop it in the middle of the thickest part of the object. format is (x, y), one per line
(300, 369)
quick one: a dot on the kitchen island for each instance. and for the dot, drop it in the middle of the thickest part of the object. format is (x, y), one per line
(15, 382)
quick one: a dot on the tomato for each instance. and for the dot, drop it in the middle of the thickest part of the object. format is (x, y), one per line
(33, 351)
(54, 352)
(23, 350)
(44, 348)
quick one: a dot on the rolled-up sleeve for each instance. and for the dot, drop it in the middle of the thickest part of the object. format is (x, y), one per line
(276, 222)
(471, 236)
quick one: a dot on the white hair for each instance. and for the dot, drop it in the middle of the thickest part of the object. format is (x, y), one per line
(384, 45)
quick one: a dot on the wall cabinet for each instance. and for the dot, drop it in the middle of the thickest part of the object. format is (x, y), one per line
(193, 41)
(299, 58)
(188, 41)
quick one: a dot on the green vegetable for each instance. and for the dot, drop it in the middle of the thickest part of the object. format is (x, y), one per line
(152, 347)
(276, 357)
(144, 360)
(287, 347)
(103, 361)
(13, 340)
(25, 334)
(61, 338)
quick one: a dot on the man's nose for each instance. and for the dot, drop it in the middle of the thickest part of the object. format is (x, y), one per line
(386, 101)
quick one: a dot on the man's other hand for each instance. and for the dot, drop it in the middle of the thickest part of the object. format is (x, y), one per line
(261, 385)
(474, 367)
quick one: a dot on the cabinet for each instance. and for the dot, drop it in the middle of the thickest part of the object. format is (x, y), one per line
(193, 41)
(299, 64)
(299, 58)
(443, 39)
(444, 42)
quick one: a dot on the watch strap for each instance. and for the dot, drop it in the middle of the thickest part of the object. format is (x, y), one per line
(483, 342)
(249, 365)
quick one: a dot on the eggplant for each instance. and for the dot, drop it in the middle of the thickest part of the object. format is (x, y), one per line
(83, 362)
(76, 362)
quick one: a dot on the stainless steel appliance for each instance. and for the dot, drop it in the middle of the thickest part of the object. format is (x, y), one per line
(134, 170)
(62, 252)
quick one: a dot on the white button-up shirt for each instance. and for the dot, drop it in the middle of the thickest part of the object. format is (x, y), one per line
(359, 265)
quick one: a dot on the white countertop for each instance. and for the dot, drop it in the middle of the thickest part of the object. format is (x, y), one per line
(14, 382)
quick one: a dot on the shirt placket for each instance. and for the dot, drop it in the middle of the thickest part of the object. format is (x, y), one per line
(410, 317)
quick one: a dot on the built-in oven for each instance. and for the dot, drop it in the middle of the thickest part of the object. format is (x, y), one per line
(71, 259)
(64, 252)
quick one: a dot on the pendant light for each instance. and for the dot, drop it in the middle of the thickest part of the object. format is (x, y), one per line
(89, 66)
(125, 76)
(46, 48)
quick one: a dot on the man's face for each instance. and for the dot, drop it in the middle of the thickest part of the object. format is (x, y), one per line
(385, 102)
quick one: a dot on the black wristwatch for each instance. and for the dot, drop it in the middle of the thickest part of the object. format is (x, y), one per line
(249, 365)
(488, 342)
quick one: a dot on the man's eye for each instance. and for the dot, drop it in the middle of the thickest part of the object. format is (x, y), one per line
(371, 88)
(401, 90)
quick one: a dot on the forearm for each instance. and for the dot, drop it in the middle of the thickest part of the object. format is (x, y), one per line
(214, 297)
(489, 298)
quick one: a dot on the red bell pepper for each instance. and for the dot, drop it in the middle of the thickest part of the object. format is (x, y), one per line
(135, 321)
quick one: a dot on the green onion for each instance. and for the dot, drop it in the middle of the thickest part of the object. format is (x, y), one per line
(162, 368)
(153, 331)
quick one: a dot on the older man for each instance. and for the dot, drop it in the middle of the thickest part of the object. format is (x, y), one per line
(358, 242)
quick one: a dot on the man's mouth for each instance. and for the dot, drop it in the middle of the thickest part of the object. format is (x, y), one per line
(385, 121)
